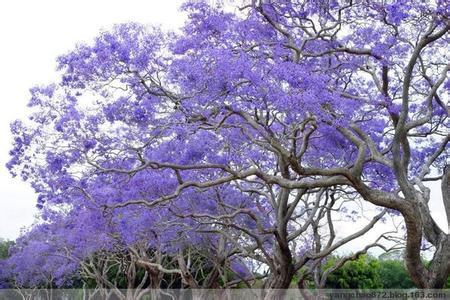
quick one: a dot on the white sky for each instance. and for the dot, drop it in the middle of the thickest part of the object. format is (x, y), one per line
(33, 34)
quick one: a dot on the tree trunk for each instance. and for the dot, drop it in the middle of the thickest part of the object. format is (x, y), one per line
(279, 281)
(413, 261)
(187, 279)
(281, 277)
(435, 276)
(212, 280)
(440, 265)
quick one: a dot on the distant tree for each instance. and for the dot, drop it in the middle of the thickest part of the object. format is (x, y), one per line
(363, 273)
(393, 275)
(4, 248)
(5, 279)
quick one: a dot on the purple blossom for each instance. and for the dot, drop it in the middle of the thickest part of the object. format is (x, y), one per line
(202, 139)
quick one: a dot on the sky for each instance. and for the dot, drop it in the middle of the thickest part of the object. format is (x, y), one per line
(33, 34)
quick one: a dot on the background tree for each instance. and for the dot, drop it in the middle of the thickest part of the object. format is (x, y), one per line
(363, 273)
(393, 275)
(4, 248)
(5, 280)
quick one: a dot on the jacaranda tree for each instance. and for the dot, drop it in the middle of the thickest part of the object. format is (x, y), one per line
(127, 248)
(252, 125)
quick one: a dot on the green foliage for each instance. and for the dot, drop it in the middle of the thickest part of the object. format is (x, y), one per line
(363, 273)
(368, 272)
(4, 248)
(394, 276)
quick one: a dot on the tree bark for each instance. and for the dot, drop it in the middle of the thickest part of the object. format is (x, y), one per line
(445, 188)
(281, 278)
(413, 260)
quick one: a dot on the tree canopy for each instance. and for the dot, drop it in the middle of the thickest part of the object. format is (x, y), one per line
(250, 131)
